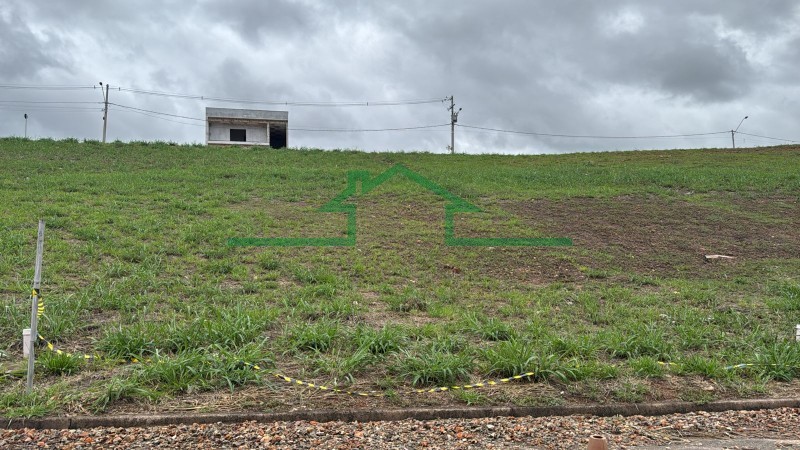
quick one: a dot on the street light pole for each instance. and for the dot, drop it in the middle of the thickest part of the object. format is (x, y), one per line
(733, 132)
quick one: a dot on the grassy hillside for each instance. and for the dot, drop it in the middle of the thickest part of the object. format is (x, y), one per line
(137, 266)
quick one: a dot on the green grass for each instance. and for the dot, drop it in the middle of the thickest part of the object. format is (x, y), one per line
(137, 266)
(432, 367)
(387, 339)
(60, 363)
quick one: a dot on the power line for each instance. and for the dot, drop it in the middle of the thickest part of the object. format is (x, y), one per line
(300, 128)
(158, 117)
(767, 137)
(47, 102)
(363, 130)
(282, 102)
(589, 136)
(46, 108)
(156, 112)
(52, 87)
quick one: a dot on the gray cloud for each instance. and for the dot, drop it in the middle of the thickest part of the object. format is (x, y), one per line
(574, 67)
(23, 52)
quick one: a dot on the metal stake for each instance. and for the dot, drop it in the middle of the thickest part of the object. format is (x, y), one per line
(37, 281)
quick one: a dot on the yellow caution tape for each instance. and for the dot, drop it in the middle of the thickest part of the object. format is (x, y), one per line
(320, 387)
(53, 349)
(323, 387)
(476, 385)
(738, 366)
(40, 302)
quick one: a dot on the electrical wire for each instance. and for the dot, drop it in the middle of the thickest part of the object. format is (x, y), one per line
(52, 87)
(590, 136)
(47, 108)
(158, 117)
(279, 102)
(300, 128)
(767, 137)
(364, 130)
(22, 105)
(156, 112)
(36, 102)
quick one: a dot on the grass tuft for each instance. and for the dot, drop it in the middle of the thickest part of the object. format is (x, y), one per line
(54, 363)
(434, 368)
(381, 341)
(510, 358)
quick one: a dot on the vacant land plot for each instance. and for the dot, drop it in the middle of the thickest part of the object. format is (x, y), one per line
(137, 266)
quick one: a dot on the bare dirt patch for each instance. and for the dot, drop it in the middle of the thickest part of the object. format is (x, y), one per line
(654, 235)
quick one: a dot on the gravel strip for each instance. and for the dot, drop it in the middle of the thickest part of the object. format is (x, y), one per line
(492, 433)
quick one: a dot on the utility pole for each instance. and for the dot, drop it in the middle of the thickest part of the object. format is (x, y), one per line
(453, 120)
(26, 125)
(105, 111)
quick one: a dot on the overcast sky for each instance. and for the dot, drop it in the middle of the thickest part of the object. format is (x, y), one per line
(610, 68)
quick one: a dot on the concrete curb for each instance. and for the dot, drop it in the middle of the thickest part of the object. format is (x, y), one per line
(366, 415)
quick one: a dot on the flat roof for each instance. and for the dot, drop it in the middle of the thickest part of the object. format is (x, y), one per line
(253, 114)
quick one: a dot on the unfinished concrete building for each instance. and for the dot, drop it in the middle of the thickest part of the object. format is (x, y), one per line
(225, 126)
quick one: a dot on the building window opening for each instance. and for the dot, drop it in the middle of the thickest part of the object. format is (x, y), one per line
(238, 135)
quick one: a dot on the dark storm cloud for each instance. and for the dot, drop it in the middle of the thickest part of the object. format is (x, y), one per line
(24, 53)
(681, 61)
(257, 21)
(577, 67)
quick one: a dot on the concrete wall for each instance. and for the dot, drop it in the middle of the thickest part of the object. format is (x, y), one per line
(218, 132)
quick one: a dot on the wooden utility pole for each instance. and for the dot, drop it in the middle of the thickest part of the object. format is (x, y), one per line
(37, 281)
(105, 111)
(453, 120)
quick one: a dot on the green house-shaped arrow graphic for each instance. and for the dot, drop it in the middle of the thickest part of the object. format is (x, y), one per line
(454, 206)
